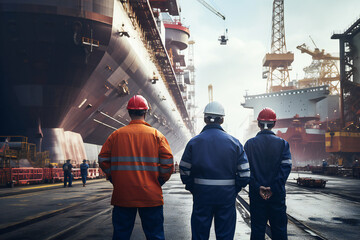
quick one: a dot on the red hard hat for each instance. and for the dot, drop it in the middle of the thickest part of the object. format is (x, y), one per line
(267, 114)
(137, 102)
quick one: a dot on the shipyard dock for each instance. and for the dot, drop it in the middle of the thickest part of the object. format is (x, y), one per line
(53, 212)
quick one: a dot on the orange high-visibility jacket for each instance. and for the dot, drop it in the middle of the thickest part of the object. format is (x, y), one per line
(138, 158)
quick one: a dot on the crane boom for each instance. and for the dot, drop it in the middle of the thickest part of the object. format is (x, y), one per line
(211, 8)
(316, 54)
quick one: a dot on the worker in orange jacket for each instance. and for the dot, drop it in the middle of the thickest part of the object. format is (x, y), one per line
(137, 159)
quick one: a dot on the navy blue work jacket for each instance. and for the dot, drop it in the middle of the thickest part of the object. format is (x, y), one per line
(214, 166)
(270, 162)
(84, 168)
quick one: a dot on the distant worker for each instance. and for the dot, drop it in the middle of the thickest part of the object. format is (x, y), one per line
(84, 171)
(67, 167)
(214, 168)
(355, 169)
(270, 164)
(137, 159)
(176, 168)
(356, 163)
(324, 163)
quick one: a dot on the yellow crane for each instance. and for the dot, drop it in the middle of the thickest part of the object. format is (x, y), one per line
(323, 70)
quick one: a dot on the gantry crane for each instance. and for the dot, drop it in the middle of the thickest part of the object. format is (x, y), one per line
(277, 63)
(322, 71)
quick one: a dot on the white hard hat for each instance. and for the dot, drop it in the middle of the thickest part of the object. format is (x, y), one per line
(214, 109)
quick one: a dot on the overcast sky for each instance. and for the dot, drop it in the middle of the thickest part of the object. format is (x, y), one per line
(237, 67)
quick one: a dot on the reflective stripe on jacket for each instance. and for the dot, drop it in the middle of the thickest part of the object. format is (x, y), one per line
(214, 166)
(139, 160)
(270, 162)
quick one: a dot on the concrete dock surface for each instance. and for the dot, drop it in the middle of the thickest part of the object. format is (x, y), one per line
(54, 212)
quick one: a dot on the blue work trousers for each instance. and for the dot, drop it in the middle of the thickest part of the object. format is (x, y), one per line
(83, 178)
(224, 219)
(273, 210)
(152, 221)
(67, 177)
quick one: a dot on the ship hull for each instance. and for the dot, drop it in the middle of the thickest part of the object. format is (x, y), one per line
(66, 78)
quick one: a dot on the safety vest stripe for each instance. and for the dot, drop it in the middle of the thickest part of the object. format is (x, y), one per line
(243, 166)
(134, 168)
(287, 161)
(165, 170)
(244, 174)
(185, 164)
(100, 159)
(184, 173)
(166, 161)
(214, 182)
(135, 159)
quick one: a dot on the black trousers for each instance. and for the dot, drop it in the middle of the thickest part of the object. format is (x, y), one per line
(274, 210)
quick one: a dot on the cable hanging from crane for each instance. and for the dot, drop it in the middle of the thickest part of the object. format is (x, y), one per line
(223, 38)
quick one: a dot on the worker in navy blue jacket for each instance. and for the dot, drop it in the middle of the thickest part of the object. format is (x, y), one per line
(214, 168)
(270, 164)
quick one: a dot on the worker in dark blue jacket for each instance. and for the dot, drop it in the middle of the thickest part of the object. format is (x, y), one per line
(67, 167)
(84, 171)
(270, 164)
(214, 168)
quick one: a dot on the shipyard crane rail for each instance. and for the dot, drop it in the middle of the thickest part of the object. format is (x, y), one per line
(211, 8)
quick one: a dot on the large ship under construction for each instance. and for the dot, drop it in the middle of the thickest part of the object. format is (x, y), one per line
(69, 67)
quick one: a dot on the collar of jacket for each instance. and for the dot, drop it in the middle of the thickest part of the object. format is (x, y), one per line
(211, 126)
(265, 131)
(139, 122)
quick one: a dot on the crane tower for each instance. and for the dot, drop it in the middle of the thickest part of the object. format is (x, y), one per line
(277, 63)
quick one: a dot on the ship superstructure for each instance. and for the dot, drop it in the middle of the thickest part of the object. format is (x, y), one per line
(68, 69)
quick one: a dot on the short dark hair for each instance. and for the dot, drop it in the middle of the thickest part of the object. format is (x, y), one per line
(269, 125)
(217, 120)
(133, 112)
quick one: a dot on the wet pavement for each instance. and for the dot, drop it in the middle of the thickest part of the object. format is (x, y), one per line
(327, 211)
(85, 213)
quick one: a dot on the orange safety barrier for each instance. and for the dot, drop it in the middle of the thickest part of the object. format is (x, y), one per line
(15, 176)
(26, 175)
(53, 174)
(47, 174)
(76, 173)
(93, 173)
(57, 174)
